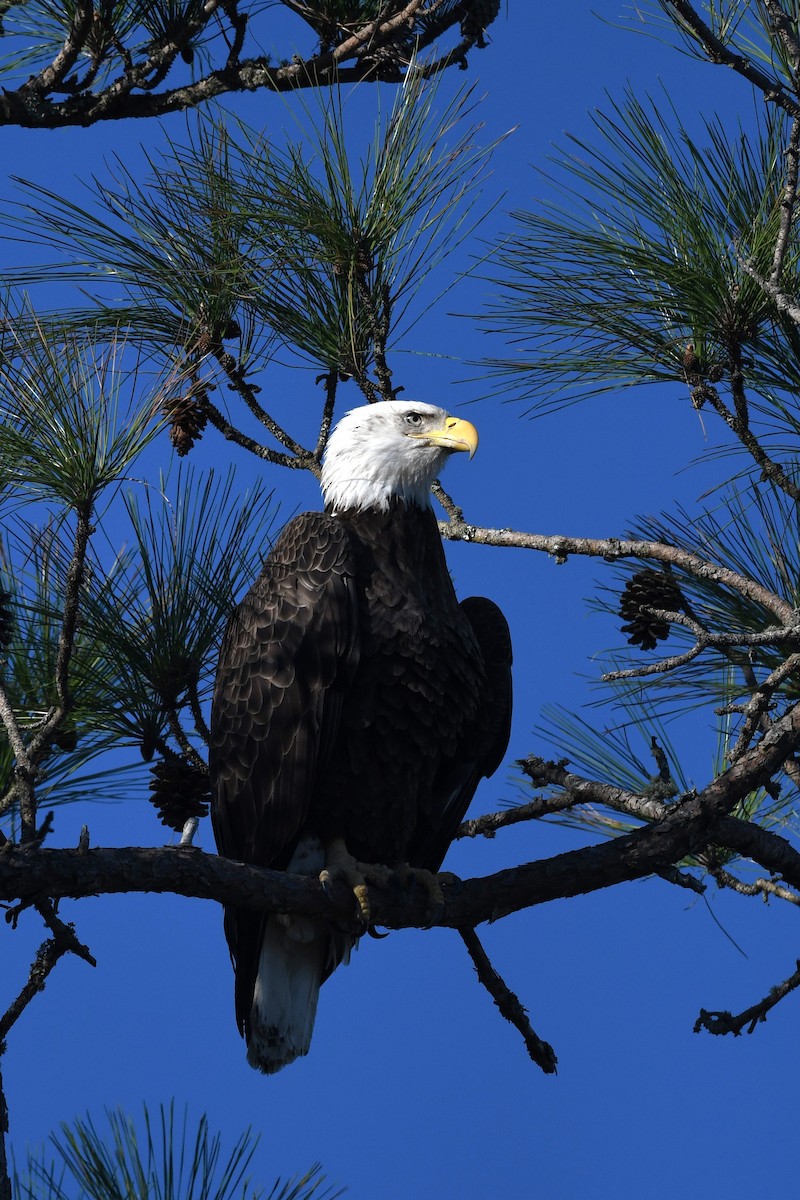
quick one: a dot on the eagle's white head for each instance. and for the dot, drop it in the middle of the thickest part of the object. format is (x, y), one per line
(392, 449)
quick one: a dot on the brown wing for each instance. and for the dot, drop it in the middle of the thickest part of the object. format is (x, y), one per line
(494, 638)
(287, 659)
(485, 744)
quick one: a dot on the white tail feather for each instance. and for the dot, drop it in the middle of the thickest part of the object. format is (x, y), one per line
(290, 970)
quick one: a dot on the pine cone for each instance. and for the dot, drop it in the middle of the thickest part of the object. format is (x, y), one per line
(179, 790)
(188, 417)
(648, 588)
(477, 18)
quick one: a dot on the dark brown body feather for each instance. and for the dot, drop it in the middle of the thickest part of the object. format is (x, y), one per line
(355, 699)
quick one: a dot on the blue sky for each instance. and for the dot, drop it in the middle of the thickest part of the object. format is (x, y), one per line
(415, 1086)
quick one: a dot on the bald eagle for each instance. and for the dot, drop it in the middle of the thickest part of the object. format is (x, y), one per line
(357, 704)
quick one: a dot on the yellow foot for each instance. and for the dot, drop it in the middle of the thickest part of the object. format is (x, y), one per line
(411, 877)
(341, 867)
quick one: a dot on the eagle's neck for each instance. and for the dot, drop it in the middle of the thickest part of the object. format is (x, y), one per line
(358, 478)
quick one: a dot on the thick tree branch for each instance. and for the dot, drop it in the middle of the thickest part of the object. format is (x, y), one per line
(686, 829)
(132, 94)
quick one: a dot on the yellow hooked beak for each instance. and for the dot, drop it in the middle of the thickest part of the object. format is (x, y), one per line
(455, 434)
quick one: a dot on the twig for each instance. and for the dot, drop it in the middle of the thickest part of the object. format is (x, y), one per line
(488, 825)
(232, 434)
(590, 791)
(62, 942)
(198, 716)
(46, 958)
(738, 420)
(63, 933)
(330, 380)
(239, 26)
(761, 887)
(783, 301)
(20, 789)
(508, 1003)
(239, 384)
(40, 742)
(188, 750)
(755, 709)
(454, 513)
(662, 667)
(380, 324)
(706, 639)
(724, 1022)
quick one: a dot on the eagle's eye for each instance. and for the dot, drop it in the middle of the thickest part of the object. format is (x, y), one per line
(414, 419)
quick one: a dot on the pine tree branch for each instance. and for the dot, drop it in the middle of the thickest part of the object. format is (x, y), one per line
(724, 642)
(490, 823)
(785, 30)
(672, 663)
(132, 94)
(761, 887)
(788, 203)
(21, 789)
(186, 747)
(198, 716)
(329, 380)
(783, 301)
(29, 754)
(724, 1022)
(239, 384)
(560, 546)
(50, 78)
(45, 960)
(62, 942)
(232, 434)
(738, 420)
(5, 1180)
(756, 708)
(717, 52)
(686, 829)
(455, 515)
(508, 1003)
(589, 791)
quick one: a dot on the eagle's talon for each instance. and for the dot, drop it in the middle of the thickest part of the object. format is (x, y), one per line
(341, 867)
(412, 877)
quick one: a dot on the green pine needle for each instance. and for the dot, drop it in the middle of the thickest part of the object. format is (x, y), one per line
(161, 1158)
